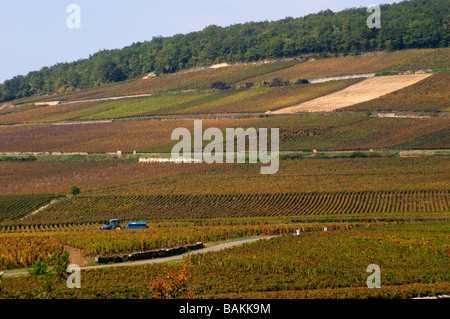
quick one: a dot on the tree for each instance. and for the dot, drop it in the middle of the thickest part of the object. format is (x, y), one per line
(109, 71)
(302, 81)
(50, 278)
(57, 274)
(75, 190)
(39, 268)
(407, 25)
(276, 82)
(219, 85)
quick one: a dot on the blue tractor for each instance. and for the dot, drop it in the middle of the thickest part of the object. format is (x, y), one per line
(113, 224)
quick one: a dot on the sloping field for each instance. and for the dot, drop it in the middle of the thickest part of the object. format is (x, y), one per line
(364, 91)
(306, 175)
(100, 208)
(198, 102)
(297, 132)
(201, 79)
(392, 61)
(429, 95)
(13, 207)
(241, 74)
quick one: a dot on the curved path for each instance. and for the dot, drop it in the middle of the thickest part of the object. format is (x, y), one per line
(163, 259)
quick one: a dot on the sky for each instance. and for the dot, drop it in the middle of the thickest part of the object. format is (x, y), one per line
(35, 33)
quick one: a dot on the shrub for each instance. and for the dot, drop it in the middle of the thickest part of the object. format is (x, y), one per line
(19, 159)
(75, 190)
(276, 82)
(219, 85)
(301, 81)
(385, 73)
(173, 286)
(39, 268)
(291, 156)
(358, 155)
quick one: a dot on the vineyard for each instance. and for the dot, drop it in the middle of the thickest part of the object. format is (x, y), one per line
(294, 176)
(320, 132)
(260, 99)
(354, 187)
(429, 95)
(314, 264)
(23, 249)
(228, 101)
(13, 207)
(366, 90)
(242, 73)
(189, 92)
(393, 61)
(201, 79)
(100, 208)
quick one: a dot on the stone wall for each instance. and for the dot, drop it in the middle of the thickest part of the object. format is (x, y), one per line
(168, 160)
(149, 254)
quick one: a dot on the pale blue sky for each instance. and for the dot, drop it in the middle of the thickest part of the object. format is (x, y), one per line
(34, 33)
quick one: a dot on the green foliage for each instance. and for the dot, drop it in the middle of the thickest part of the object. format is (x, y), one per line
(75, 190)
(18, 158)
(384, 73)
(294, 156)
(344, 32)
(301, 81)
(57, 274)
(39, 268)
(219, 85)
(358, 155)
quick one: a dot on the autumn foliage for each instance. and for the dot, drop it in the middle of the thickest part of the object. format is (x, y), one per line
(173, 286)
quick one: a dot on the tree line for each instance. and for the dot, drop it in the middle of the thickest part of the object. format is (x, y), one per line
(406, 25)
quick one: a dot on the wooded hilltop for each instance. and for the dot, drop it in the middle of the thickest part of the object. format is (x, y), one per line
(411, 24)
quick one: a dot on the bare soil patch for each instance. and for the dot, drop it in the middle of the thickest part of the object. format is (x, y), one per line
(75, 256)
(366, 90)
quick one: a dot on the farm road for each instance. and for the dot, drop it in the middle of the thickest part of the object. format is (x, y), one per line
(164, 259)
(199, 251)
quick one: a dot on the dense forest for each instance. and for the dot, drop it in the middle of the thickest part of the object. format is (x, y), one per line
(405, 25)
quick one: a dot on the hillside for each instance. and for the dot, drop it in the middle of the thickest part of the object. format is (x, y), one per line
(326, 133)
(366, 90)
(252, 88)
(323, 33)
(430, 95)
(362, 175)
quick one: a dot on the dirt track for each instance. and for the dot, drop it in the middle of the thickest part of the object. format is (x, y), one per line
(164, 259)
(366, 90)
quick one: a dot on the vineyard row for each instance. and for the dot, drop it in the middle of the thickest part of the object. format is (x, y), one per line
(135, 207)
